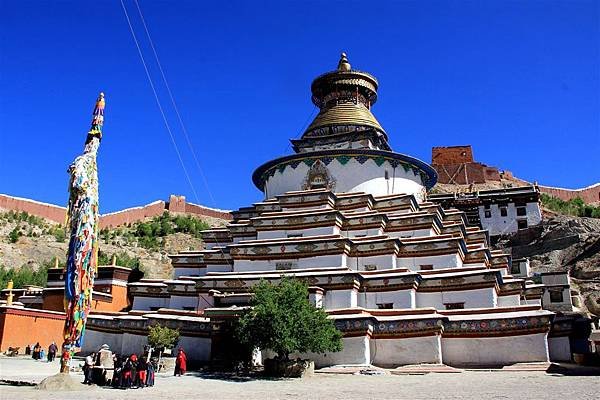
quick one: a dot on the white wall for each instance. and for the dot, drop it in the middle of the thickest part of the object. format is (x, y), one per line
(559, 348)
(316, 299)
(351, 177)
(205, 301)
(340, 299)
(133, 343)
(417, 350)
(400, 298)
(92, 341)
(218, 268)
(196, 348)
(356, 352)
(385, 261)
(177, 272)
(495, 350)
(499, 225)
(179, 302)
(283, 234)
(352, 233)
(565, 305)
(438, 262)
(146, 303)
(335, 260)
(413, 233)
(508, 301)
(477, 298)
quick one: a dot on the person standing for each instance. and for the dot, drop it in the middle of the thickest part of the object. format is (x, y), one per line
(150, 375)
(52, 349)
(36, 351)
(180, 363)
(142, 368)
(88, 369)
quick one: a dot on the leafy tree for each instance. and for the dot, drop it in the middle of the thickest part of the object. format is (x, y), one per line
(283, 320)
(162, 337)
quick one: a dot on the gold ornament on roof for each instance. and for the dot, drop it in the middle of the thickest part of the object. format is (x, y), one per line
(344, 65)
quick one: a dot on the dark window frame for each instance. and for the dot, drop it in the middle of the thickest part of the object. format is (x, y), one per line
(556, 296)
(455, 306)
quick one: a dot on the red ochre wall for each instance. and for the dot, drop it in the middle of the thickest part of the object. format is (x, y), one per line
(589, 195)
(452, 155)
(54, 300)
(20, 327)
(48, 211)
(57, 214)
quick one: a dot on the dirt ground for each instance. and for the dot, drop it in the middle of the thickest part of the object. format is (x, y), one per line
(465, 385)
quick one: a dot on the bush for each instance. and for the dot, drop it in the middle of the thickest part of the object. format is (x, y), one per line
(24, 276)
(123, 260)
(575, 207)
(162, 337)
(15, 234)
(149, 233)
(283, 320)
(58, 232)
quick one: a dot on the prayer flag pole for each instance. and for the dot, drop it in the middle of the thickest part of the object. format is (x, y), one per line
(82, 225)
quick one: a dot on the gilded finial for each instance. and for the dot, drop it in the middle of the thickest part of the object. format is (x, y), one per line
(344, 65)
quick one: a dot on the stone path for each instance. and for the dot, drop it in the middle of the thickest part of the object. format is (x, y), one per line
(448, 386)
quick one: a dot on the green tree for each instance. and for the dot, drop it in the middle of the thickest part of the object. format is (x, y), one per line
(162, 337)
(283, 320)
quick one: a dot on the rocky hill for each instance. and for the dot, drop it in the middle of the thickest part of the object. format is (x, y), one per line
(565, 243)
(27, 241)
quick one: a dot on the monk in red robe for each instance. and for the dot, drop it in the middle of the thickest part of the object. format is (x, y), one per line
(180, 363)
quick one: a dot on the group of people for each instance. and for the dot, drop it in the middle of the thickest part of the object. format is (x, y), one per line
(37, 352)
(104, 368)
(133, 372)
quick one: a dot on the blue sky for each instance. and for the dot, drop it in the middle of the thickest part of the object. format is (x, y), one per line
(519, 80)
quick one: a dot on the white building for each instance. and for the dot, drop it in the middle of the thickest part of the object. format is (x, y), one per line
(404, 280)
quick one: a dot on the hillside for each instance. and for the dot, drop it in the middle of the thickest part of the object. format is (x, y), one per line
(31, 242)
(567, 240)
(566, 243)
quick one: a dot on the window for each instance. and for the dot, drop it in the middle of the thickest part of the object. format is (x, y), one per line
(522, 223)
(515, 268)
(503, 211)
(294, 235)
(556, 296)
(154, 308)
(370, 267)
(488, 214)
(426, 267)
(487, 206)
(521, 211)
(285, 265)
(189, 308)
(385, 306)
(454, 306)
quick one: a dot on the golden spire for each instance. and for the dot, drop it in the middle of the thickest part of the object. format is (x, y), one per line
(344, 65)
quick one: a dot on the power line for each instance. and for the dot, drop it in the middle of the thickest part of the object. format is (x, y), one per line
(183, 128)
(137, 45)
